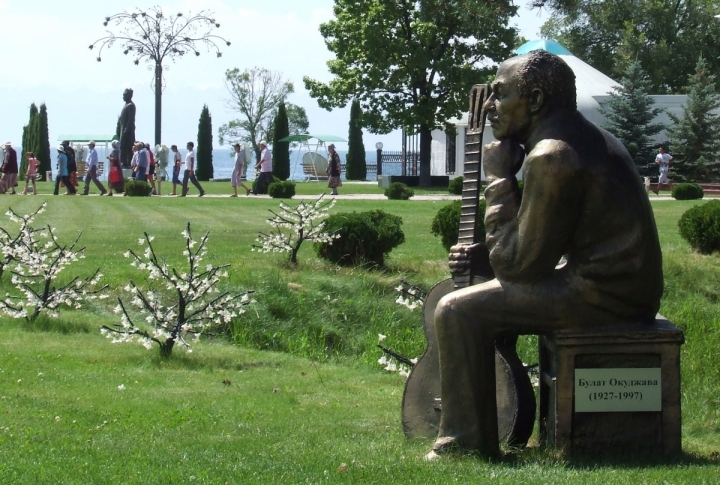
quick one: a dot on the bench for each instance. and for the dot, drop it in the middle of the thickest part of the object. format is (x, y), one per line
(612, 389)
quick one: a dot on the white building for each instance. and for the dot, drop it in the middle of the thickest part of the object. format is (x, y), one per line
(593, 88)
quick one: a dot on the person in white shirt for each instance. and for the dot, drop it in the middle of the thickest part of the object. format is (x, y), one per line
(92, 168)
(663, 159)
(238, 170)
(177, 168)
(265, 168)
(190, 171)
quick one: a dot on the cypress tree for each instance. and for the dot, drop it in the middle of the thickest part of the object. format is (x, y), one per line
(28, 141)
(281, 149)
(204, 169)
(629, 115)
(42, 143)
(355, 165)
(694, 137)
(117, 129)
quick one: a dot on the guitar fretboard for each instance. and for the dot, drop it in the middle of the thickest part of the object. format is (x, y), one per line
(471, 175)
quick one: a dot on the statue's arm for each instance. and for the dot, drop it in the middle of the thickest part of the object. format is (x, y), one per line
(527, 236)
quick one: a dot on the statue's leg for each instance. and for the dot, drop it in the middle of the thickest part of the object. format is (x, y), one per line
(467, 322)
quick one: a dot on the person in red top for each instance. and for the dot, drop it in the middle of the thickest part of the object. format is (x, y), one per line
(151, 169)
(31, 173)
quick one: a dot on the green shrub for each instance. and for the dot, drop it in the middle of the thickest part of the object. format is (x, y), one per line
(455, 186)
(137, 188)
(700, 226)
(399, 191)
(687, 192)
(365, 237)
(446, 223)
(282, 189)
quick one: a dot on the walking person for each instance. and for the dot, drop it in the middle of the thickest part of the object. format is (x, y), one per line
(31, 173)
(333, 171)
(177, 165)
(663, 159)
(9, 170)
(63, 172)
(265, 168)
(92, 167)
(115, 177)
(238, 170)
(190, 171)
(143, 162)
(151, 170)
(71, 164)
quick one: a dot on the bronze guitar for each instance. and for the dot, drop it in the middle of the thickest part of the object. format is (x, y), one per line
(421, 407)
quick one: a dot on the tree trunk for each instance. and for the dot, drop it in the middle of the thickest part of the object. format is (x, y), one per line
(425, 143)
(158, 103)
(166, 348)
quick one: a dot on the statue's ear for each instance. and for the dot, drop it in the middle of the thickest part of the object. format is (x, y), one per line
(537, 100)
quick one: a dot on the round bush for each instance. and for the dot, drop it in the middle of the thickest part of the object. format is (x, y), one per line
(399, 191)
(446, 224)
(687, 192)
(365, 237)
(137, 188)
(455, 186)
(700, 226)
(283, 189)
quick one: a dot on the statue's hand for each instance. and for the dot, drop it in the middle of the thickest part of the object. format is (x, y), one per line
(461, 257)
(502, 159)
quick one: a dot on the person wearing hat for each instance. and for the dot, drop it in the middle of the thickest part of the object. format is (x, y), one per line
(9, 169)
(71, 163)
(333, 170)
(143, 161)
(92, 167)
(63, 173)
(238, 170)
(264, 166)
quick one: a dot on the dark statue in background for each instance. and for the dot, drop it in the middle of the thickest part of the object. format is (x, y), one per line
(582, 200)
(127, 129)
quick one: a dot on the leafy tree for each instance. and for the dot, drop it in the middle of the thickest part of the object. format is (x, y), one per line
(29, 137)
(281, 149)
(256, 94)
(205, 146)
(355, 165)
(412, 63)
(629, 115)
(663, 36)
(42, 148)
(694, 136)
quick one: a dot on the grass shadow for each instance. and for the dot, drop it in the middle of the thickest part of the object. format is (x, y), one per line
(45, 323)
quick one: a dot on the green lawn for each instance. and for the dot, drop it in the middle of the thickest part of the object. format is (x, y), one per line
(293, 416)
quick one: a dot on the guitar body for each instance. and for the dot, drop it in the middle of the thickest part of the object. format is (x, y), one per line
(515, 396)
(421, 405)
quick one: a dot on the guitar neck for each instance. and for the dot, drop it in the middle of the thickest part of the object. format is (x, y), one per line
(471, 177)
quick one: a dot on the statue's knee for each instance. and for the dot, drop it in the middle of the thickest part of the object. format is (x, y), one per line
(447, 312)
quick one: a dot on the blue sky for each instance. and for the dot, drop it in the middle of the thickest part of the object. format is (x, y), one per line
(45, 56)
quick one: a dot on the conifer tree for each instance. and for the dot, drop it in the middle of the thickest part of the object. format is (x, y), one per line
(204, 169)
(28, 140)
(42, 144)
(355, 165)
(695, 137)
(629, 115)
(281, 149)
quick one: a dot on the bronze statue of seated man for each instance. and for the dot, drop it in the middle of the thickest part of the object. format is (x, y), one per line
(582, 199)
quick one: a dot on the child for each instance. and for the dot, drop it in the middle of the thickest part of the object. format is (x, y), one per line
(31, 174)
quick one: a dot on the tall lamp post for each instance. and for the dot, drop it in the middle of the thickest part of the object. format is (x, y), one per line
(154, 37)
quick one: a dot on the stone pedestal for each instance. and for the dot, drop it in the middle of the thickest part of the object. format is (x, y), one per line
(612, 390)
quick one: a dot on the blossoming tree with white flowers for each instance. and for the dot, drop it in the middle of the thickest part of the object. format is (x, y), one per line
(194, 303)
(36, 258)
(296, 225)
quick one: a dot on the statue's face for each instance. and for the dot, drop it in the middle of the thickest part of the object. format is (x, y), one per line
(507, 111)
(127, 96)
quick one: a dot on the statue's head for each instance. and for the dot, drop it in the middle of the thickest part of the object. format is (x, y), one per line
(525, 90)
(127, 95)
